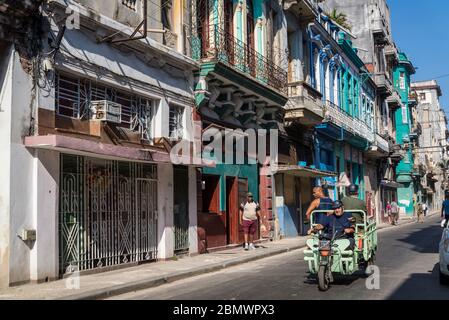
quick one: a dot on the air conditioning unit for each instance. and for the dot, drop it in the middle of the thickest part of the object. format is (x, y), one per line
(104, 110)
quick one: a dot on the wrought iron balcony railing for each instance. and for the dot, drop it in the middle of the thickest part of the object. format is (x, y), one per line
(343, 119)
(221, 45)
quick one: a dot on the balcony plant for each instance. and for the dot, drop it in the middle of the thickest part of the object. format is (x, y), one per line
(339, 18)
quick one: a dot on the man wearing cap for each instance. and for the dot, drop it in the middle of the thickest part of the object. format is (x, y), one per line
(249, 214)
(352, 202)
(339, 223)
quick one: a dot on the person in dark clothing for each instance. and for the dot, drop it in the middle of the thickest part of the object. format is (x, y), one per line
(445, 209)
(321, 202)
(352, 202)
(339, 223)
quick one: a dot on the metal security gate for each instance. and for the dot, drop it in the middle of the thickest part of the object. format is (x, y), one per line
(180, 210)
(107, 213)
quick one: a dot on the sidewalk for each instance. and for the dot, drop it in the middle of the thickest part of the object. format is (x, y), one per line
(106, 284)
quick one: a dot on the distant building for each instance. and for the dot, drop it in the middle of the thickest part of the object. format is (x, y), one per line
(374, 44)
(431, 151)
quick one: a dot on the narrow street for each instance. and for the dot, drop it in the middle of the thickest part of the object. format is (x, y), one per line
(146, 143)
(407, 258)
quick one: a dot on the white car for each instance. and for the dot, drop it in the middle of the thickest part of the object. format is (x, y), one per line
(444, 257)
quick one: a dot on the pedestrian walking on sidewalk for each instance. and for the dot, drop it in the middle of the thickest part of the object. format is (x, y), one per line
(445, 209)
(249, 215)
(394, 212)
(425, 208)
(419, 212)
(388, 209)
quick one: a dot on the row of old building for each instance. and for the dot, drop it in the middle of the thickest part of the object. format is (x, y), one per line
(95, 97)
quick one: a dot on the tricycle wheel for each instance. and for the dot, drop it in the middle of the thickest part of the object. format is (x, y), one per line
(323, 279)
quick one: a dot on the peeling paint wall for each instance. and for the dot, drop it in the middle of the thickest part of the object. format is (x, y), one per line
(6, 58)
(22, 173)
(118, 11)
(17, 173)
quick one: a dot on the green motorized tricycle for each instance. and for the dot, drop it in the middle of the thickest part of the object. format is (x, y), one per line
(330, 254)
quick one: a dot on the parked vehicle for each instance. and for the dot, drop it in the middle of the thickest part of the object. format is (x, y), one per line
(444, 256)
(328, 255)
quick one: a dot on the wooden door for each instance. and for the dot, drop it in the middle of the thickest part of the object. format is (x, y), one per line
(232, 210)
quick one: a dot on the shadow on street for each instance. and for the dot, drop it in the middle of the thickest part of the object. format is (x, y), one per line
(419, 239)
(422, 286)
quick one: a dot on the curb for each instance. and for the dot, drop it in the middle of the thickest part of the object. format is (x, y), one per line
(158, 281)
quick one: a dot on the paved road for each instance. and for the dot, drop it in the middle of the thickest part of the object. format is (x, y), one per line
(407, 259)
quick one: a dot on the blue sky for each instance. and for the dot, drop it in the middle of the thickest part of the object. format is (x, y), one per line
(421, 29)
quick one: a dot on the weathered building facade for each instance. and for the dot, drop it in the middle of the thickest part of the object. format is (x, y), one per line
(329, 117)
(371, 24)
(89, 115)
(403, 117)
(430, 152)
(240, 85)
(96, 95)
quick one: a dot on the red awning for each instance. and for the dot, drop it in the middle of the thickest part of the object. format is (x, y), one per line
(90, 148)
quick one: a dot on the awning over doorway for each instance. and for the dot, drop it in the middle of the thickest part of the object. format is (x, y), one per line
(303, 172)
(391, 184)
(91, 148)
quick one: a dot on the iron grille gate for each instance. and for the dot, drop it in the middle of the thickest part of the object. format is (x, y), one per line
(107, 212)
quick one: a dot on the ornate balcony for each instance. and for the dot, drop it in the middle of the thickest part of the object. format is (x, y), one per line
(380, 32)
(221, 46)
(394, 100)
(413, 99)
(344, 120)
(391, 53)
(379, 149)
(383, 83)
(305, 104)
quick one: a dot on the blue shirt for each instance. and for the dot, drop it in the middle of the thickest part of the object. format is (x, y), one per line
(334, 224)
(446, 207)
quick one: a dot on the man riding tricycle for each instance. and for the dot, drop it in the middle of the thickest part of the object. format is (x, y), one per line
(340, 243)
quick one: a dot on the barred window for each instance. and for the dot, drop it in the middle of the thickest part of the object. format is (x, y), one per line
(74, 96)
(131, 4)
(176, 122)
(69, 96)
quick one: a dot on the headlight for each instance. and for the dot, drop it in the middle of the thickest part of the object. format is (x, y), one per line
(446, 245)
